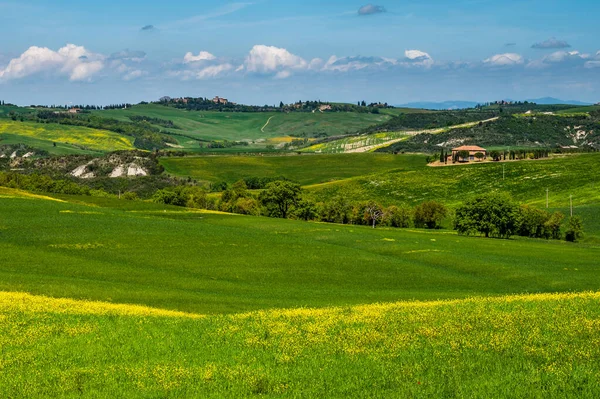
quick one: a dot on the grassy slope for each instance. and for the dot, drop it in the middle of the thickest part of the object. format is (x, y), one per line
(531, 346)
(305, 169)
(214, 263)
(90, 139)
(526, 181)
(247, 126)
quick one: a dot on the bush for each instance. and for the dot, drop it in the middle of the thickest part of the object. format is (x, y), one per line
(430, 215)
(574, 232)
(398, 216)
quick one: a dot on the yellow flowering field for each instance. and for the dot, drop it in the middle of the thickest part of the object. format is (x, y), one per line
(545, 345)
(94, 139)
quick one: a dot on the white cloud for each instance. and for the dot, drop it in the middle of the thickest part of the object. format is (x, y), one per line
(202, 56)
(213, 71)
(269, 59)
(506, 59)
(572, 58)
(358, 63)
(418, 57)
(73, 61)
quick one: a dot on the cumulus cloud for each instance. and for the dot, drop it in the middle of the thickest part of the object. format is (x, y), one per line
(563, 58)
(418, 57)
(202, 56)
(73, 61)
(506, 59)
(552, 43)
(371, 9)
(268, 59)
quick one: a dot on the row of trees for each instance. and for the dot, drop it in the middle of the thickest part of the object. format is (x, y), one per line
(285, 199)
(497, 215)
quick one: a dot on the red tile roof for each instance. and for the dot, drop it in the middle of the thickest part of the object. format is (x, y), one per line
(469, 148)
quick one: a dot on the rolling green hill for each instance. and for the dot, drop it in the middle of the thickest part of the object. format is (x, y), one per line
(251, 126)
(202, 262)
(68, 139)
(305, 169)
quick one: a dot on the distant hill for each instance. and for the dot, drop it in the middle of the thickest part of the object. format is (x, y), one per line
(441, 105)
(552, 100)
(445, 105)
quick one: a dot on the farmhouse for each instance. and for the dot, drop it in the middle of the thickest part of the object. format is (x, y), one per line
(219, 100)
(472, 149)
(74, 110)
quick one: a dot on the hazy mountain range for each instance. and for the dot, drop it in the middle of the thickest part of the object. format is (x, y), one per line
(470, 104)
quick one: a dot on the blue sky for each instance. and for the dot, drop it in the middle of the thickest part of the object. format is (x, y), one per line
(265, 51)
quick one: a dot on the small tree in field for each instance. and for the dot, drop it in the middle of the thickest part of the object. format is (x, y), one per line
(279, 197)
(479, 156)
(575, 230)
(373, 213)
(430, 214)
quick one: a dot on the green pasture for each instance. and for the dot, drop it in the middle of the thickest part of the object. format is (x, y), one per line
(172, 258)
(251, 126)
(304, 169)
(526, 181)
(542, 346)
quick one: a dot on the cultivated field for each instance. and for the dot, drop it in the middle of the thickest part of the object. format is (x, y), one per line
(522, 346)
(305, 169)
(250, 126)
(68, 139)
(201, 262)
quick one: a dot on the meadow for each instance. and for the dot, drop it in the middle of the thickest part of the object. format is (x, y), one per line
(67, 138)
(536, 346)
(407, 179)
(526, 181)
(202, 262)
(249, 126)
(304, 169)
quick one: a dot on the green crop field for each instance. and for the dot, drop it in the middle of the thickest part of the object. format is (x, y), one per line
(213, 263)
(67, 138)
(543, 346)
(325, 318)
(304, 169)
(251, 126)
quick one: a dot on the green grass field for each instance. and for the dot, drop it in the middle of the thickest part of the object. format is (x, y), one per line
(67, 138)
(304, 169)
(544, 346)
(171, 258)
(325, 318)
(251, 126)
(526, 181)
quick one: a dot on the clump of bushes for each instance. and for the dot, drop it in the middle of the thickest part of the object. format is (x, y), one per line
(497, 215)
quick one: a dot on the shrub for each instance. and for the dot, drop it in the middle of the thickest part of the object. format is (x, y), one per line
(430, 214)
(574, 232)
(398, 216)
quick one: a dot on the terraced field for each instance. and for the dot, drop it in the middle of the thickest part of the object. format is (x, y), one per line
(67, 138)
